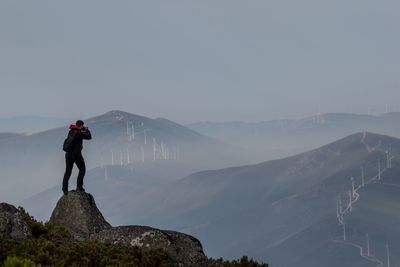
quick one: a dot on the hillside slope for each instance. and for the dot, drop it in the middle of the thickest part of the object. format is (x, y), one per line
(29, 164)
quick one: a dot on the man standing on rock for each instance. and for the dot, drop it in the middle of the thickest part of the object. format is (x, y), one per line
(73, 145)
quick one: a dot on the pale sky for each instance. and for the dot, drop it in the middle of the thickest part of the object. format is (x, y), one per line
(205, 60)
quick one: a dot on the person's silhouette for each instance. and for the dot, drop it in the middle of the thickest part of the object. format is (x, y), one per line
(73, 145)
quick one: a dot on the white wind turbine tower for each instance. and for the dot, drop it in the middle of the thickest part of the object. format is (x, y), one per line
(142, 150)
(387, 254)
(350, 202)
(337, 210)
(112, 158)
(162, 150)
(353, 189)
(368, 245)
(379, 170)
(133, 133)
(145, 137)
(344, 231)
(388, 159)
(128, 156)
(127, 128)
(120, 157)
(154, 148)
(362, 177)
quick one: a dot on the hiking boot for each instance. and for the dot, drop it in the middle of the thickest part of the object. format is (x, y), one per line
(80, 189)
(65, 192)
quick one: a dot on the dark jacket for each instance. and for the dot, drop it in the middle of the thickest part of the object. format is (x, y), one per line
(78, 136)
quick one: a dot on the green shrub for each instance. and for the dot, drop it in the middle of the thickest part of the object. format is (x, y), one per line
(243, 262)
(44, 230)
(44, 252)
(17, 262)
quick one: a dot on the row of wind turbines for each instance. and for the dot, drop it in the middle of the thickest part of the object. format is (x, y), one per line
(136, 148)
(344, 206)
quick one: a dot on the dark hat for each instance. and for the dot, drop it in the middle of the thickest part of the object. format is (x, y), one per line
(79, 123)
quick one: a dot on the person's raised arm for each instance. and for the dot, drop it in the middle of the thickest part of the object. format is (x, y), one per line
(86, 134)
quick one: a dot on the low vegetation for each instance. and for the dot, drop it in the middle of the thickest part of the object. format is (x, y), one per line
(51, 245)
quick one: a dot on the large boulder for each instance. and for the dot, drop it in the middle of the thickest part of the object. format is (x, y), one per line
(183, 249)
(12, 226)
(78, 212)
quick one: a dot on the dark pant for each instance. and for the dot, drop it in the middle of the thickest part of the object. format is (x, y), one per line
(70, 159)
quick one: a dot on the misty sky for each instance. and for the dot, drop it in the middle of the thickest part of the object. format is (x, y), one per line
(200, 60)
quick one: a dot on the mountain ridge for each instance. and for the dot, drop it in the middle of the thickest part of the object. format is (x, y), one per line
(292, 198)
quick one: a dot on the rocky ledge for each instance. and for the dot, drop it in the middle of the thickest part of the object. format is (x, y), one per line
(78, 212)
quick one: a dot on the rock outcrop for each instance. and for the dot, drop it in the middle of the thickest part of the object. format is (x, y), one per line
(12, 226)
(78, 212)
(183, 249)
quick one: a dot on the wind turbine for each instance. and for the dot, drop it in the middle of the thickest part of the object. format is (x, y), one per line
(353, 187)
(368, 245)
(350, 202)
(388, 160)
(362, 177)
(112, 158)
(120, 157)
(128, 155)
(387, 254)
(379, 170)
(162, 150)
(142, 150)
(337, 210)
(344, 231)
(154, 148)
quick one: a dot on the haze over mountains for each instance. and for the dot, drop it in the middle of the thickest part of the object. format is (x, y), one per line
(281, 138)
(289, 212)
(281, 211)
(159, 147)
(30, 124)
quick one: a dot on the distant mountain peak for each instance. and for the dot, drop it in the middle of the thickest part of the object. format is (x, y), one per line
(118, 113)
